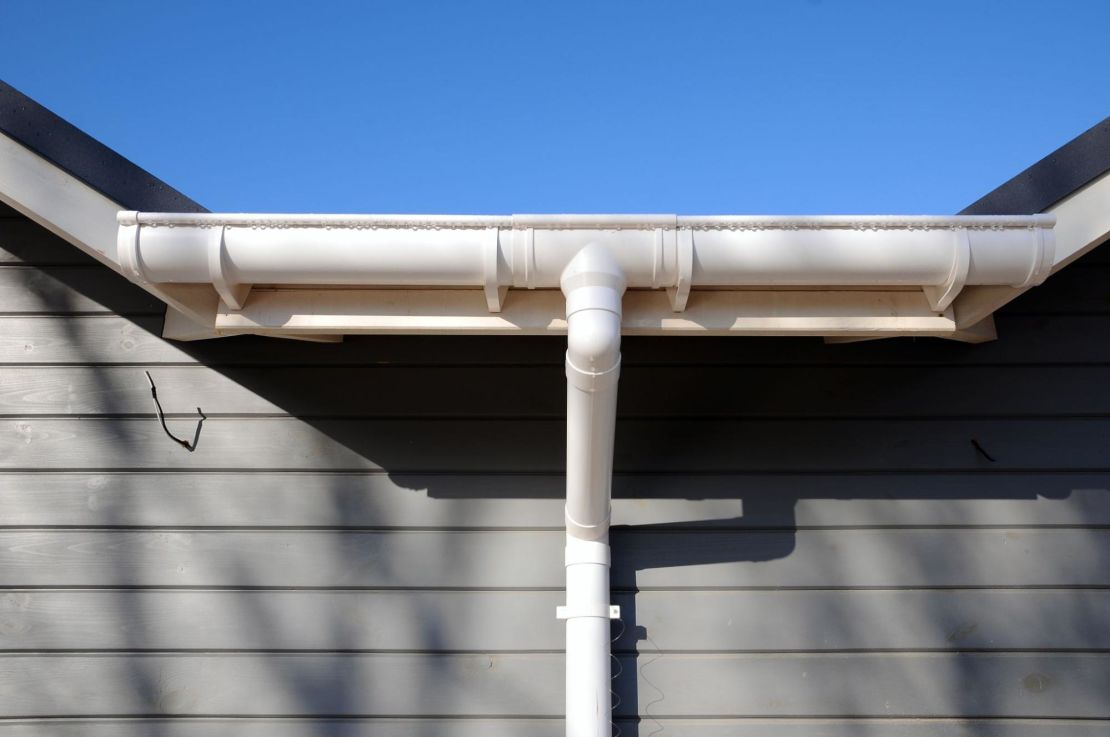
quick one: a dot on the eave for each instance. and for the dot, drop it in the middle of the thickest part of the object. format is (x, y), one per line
(819, 275)
(75, 187)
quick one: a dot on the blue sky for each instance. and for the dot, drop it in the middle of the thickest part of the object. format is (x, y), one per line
(691, 106)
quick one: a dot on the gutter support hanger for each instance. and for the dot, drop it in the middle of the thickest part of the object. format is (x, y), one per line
(233, 295)
(491, 262)
(684, 264)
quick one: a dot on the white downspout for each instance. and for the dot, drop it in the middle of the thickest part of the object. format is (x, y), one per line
(593, 284)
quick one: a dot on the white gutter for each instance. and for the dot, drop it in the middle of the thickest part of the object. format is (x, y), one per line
(592, 259)
(233, 252)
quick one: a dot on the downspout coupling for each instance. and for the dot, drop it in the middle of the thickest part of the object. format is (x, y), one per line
(593, 284)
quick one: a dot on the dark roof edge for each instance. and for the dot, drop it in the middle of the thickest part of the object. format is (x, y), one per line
(1034, 190)
(1062, 172)
(82, 156)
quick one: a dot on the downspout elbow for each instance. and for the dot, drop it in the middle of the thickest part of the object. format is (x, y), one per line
(593, 284)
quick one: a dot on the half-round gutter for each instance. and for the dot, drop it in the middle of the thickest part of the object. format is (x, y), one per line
(592, 259)
(233, 252)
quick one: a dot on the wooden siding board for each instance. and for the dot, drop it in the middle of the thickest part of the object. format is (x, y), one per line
(535, 391)
(551, 727)
(1070, 291)
(506, 621)
(528, 685)
(81, 341)
(645, 558)
(71, 289)
(459, 501)
(23, 242)
(554, 728)
(704, 446)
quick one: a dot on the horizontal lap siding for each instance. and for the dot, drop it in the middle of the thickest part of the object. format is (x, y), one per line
(531, 684)
(551, 727)
(726, 620)
(490, 559)
(71, 289)
(533, 391)
(23, 243)
(534, 501)
(367, 539)
(514, 446)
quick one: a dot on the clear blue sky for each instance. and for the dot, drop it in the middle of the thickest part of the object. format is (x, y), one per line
(690, 106)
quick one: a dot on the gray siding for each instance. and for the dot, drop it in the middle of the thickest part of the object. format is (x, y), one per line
(367, 539)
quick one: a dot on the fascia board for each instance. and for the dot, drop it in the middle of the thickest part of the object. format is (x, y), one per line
(84, 217)
(1082, 224)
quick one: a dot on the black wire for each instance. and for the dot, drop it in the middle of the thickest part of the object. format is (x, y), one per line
(162, 418)
(983, 451)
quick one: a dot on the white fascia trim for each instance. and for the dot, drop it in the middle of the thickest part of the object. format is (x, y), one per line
(1083, 222)
(78, 213)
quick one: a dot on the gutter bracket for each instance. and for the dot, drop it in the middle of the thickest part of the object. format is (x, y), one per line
(524, 255)
(941, 296)
(684, 266)
(233, 295)
(665, 243)
(491, 262)
(127, 248)
(1046, 255)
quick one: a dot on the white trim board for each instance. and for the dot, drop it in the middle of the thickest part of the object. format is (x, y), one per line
(1082, 223)
(68, 207)
(441, 311)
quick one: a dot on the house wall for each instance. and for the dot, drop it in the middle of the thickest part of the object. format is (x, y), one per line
(367, 539)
